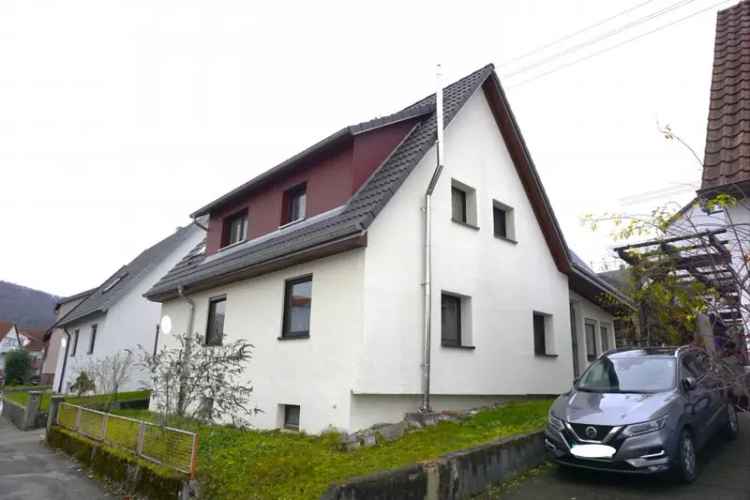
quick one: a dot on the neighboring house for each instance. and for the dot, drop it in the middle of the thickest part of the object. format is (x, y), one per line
(53, 337)
(726, 166)
(12, 338)
(319, 264)
(115, 316)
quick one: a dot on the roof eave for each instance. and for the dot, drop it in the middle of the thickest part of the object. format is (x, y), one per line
(326, 249)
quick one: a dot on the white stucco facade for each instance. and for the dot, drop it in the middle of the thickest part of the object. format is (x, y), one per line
(128, 323)
(362, 362)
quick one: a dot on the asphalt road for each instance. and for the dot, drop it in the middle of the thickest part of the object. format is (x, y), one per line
(724, 474)
(31, 471)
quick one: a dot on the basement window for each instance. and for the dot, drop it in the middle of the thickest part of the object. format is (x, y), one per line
(463, 204)
(291, 417)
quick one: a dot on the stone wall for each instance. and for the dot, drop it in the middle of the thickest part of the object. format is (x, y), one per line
(14, 412)
(458, 475)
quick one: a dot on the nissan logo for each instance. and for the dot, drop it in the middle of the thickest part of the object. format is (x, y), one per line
(590, 432)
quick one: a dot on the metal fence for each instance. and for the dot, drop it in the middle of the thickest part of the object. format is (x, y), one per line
(167, 446)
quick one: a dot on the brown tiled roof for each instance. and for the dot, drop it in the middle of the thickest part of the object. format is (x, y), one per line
(727, 158)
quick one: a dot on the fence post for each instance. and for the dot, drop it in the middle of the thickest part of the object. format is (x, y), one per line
(32, 410)
(78, 419)
(194, 456)
(105, 422)
(141, 432)
(54, 408)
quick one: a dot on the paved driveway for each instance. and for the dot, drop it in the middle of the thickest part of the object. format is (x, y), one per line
(724, 475)
(31, 471)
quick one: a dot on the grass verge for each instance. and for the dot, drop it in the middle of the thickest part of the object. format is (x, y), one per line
(273, 464)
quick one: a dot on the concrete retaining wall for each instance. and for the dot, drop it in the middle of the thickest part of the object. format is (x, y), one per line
(14, 412)
(454, 476)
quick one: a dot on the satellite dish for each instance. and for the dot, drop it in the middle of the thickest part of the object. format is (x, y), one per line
(166, 324)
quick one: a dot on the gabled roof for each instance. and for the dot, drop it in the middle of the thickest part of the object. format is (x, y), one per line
(71, 298)
(586, 282)
(122, 281)
(345, 228)
(727, 157)
(36, 339)
(5, 327)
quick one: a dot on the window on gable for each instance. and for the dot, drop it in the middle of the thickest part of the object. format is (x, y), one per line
(590, 330)
(75, 343)
(458, 199)
(215, 327)
(235, 229)
(463, 204)
(295, 201)
(297, 307)
(92, 340)
(502, 219)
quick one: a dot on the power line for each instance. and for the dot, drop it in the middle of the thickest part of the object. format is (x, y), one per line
(572, 35)
(604, 36)
(618, 45)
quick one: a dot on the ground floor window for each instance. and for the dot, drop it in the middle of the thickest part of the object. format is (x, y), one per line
(542, 334)
(590, 340)
(605, 337)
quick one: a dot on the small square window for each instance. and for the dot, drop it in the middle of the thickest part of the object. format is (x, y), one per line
(297, 307)
(291, 417)
(235, 229)
(463, 204)
(458, 199)
(215, 327)
(502, 220)
(295, 204)
(92, 340)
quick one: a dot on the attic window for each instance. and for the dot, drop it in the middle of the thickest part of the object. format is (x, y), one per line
(235, 228)
(295, 204)
(114, 282)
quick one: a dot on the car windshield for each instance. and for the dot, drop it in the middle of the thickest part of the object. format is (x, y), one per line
(629, 374)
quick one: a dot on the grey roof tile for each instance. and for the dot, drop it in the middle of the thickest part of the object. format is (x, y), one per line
(361, 209)
(104, 296)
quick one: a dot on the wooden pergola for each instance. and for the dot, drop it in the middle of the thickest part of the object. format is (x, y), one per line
(698, 257)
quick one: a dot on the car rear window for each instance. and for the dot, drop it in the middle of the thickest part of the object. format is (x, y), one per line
(629, 374)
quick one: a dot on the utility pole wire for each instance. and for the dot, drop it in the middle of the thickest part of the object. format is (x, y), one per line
(612, 47)
(572, 35)
(616, 31)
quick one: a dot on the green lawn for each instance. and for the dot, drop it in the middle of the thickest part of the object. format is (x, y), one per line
(278, 465)
(96, 401)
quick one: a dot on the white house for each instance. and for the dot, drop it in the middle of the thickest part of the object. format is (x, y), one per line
(320, 264)
(54, 336)
(115, 316)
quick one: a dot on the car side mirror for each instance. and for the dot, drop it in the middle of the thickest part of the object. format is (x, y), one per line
(688, 383)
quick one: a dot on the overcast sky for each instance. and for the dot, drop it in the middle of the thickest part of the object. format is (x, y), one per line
(118, 119)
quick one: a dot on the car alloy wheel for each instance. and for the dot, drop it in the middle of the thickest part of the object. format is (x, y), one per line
(687, 457)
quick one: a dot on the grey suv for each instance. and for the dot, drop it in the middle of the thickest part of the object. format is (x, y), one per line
(644, 410)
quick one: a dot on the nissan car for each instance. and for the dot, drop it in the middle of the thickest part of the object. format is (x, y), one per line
(642, 411)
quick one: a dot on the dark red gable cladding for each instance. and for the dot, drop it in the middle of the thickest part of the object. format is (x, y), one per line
(331, 177)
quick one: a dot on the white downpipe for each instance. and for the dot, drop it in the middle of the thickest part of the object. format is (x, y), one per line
(427, 321)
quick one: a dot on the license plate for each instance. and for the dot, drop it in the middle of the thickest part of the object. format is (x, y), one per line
(592, 451)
